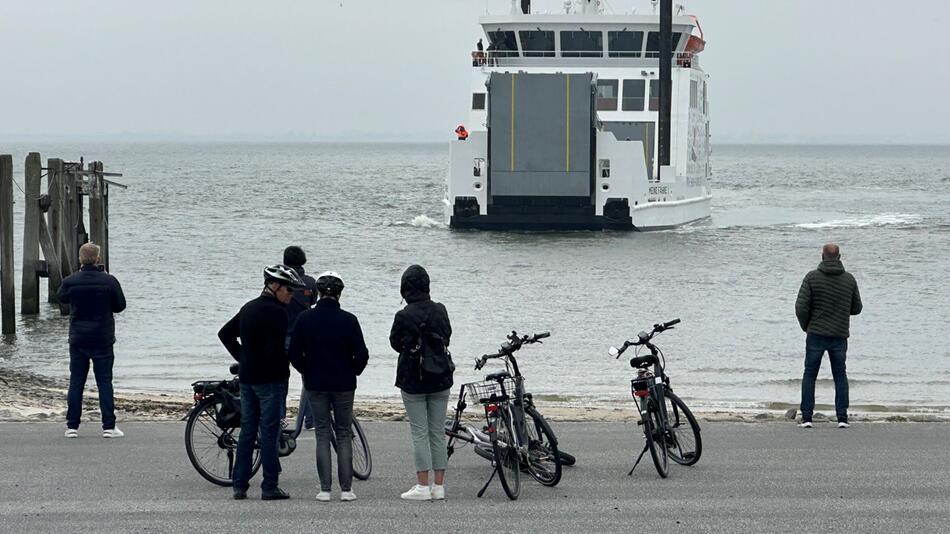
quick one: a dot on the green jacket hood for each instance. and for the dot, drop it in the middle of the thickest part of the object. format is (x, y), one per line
(832, 267)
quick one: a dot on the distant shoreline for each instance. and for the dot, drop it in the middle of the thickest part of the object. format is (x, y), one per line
(29, 397)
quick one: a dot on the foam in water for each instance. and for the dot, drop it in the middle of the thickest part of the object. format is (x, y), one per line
(883, 219)
(421, 221)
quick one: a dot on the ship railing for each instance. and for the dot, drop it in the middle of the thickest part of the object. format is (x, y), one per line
(514, 58)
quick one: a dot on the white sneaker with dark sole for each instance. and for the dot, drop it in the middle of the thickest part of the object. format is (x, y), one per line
(113, 433)
(418, 493)
(842, 424)
(438, 492)
(323, 496)
(72, 433)
(805, 424)
(347, 496)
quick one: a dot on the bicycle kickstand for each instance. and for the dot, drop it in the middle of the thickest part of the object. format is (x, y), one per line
(646, 447)
(485, 487)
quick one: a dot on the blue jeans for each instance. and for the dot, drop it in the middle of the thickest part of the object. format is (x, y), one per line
(341, 402)
(102, 360)
(837, 348)
(260, 413)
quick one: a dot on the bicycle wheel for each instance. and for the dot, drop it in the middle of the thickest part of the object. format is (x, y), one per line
(654, 428)
(362, 459)
(543, 460)
(683, 442)
(506, 455)
(566, 458)
(487, 453)
(211, 449)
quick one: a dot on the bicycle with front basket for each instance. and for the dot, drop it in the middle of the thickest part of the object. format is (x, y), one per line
(214, 425)
(516, 435)
(669, 427)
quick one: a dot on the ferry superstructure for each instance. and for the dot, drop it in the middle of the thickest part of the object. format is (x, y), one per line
(563, 130)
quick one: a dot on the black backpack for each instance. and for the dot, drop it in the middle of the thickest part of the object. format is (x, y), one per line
(432, 352)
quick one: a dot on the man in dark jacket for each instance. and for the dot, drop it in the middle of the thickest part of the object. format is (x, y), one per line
(328, 349)
(826, 301)
(261, 326)
(422, 330)
(304, 299)
(94, 296)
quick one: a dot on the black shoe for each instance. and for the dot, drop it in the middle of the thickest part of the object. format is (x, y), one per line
(240, 495)
(276, 494)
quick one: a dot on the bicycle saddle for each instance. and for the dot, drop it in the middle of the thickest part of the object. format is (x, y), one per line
(501, 375)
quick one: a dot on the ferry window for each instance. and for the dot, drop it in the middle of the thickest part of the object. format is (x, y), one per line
(653, 43)
(633, 94)
(478, 100)
(538, 43)
(693, 94)
(582, 44)
(625, 44)
(705, 97)
(505, 43)
(654, 95)
(607, 93)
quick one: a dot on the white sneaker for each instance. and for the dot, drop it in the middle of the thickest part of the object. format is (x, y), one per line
(805, 424)
(418, 493)
(438, 492)
(842, 424)
(347, 496)
(323, 496)
(72, 433)
(113, 433)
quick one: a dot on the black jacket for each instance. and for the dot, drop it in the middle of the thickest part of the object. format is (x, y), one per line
(93, 296)
(261, 326)
(327, 347)
(303, 299)
(827, 299)
(405, 331)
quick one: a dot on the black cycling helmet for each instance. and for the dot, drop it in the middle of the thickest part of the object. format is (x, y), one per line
(330, 284)
(282, 275)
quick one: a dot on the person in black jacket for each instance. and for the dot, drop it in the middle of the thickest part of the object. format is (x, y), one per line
(94, 296)
(261, 326)
(422, 330)
(328, 350)
(304, 299)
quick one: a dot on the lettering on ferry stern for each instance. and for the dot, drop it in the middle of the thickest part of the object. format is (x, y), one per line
(659, 190)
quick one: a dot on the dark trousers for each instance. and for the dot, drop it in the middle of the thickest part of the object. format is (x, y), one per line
(260, 413)
(102, 360)
(837, 348)
(341, 402)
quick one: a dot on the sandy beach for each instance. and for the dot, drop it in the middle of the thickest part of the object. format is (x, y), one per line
(29, 397)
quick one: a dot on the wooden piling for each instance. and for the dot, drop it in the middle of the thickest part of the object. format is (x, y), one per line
(52, 260)
(96, 183)
(7, 289)
(105, 225)
(70, 194)
(30, 290)
(54, 216)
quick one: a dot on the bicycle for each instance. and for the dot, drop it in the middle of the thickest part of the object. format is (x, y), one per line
(214, 424)
(509, 439)
(663, 414)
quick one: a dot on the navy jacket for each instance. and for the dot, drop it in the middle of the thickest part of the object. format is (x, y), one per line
(304, 298)
(94, 296)
(327, 347)
(261, 326)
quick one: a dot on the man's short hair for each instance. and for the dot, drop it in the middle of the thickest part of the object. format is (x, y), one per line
(830, 252)
(89, 254)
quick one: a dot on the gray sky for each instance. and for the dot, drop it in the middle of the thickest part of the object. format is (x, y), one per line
(781, 70)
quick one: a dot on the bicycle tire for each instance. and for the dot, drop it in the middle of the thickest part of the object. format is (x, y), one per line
(487, 453)
(566, 458)
(684, 444)
(653, 426)
(211, 449)
(506, 456)
(362, 458)
(543, 460)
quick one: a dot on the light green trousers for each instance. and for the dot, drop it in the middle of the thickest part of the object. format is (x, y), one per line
(426, 413)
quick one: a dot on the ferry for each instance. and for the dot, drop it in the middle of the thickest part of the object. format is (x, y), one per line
(566, 130)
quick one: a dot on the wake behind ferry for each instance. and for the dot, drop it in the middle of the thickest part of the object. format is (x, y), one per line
(568, 114)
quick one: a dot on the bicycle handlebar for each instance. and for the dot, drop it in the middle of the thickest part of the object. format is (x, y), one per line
(644, 338)
(513, 344)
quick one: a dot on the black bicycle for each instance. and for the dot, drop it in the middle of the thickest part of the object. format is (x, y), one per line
(670, 429)
(214, 425)
(516, 436)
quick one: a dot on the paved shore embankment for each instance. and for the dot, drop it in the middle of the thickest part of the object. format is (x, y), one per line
(751, 478)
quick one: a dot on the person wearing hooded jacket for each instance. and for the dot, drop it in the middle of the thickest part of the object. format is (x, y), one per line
(303, 300)
(827, 299)
(425, 395)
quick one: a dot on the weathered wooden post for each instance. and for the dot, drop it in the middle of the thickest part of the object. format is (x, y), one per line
(96, 183)
(70, 195)
(30, 291)
(7, 289)
(54, 169)
(105, 224)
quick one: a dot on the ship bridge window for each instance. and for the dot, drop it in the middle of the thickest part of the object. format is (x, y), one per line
(478, 100)
(653, 43)
(607, 93)
(654, 95)
(625, 44)
(504, 43)
(633, 95)
(582, 44)
(538, 43)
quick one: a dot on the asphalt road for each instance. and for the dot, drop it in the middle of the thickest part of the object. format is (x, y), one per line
(751, 478)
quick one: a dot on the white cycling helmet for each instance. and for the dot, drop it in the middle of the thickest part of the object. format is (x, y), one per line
(283, 275)
(330, 283)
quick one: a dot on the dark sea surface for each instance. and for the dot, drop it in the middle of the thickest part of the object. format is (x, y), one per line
(198, 222)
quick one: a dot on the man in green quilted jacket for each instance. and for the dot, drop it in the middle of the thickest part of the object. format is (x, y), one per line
(826, 301)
